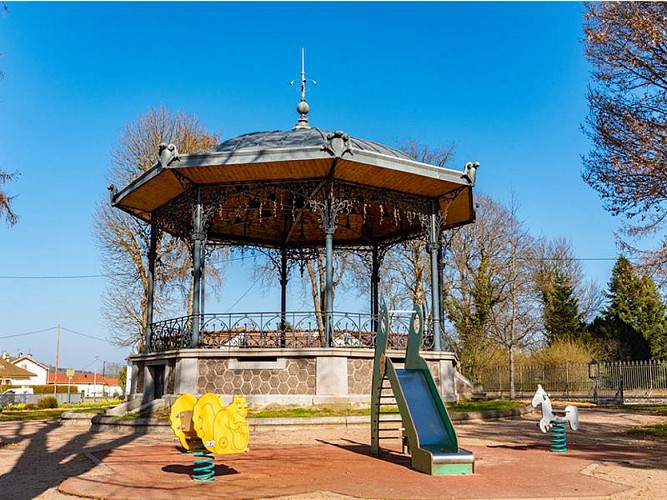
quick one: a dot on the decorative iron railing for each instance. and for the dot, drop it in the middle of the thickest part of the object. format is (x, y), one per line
(273, 330)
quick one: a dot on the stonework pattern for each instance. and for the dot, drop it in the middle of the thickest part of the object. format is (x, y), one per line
(298, 377)
(359, 375)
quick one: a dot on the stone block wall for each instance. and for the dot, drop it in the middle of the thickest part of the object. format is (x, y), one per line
(359, 375)
(230, 376)
(278, 376)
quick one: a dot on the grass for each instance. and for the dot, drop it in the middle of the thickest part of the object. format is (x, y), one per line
(297, 412)
(660, 410)
(329, 412)
(657, 431)
(484, 405)
(277, 412)
(54, 413)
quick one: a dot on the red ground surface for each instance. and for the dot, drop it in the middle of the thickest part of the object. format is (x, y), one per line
(512, 461)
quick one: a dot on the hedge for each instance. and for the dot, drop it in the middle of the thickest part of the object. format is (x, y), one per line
(42, 389)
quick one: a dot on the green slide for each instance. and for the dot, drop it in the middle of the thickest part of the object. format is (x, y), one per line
(429, 432)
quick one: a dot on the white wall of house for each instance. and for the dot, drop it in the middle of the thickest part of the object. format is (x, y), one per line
(99, 390)
(40, 371)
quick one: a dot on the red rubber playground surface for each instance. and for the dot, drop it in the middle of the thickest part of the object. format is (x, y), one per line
(512, 461)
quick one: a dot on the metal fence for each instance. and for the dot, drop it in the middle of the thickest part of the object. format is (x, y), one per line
(630, 379)
(11, 399)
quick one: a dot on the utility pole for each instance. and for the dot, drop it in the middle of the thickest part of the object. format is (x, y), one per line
(97, 359)
(55, 379)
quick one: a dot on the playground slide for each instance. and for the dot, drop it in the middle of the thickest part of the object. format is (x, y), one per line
(428, 428)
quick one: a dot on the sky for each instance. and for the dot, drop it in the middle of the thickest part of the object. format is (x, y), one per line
(505, 83)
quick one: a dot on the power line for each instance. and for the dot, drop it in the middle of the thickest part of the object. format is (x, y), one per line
(63, 277)
(87, 276)
(245, 293)
(568, 259)
(27, 333)
(53, 328)
(84, 335)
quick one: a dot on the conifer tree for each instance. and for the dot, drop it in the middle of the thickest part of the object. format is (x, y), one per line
(561, 315)
(635, 316)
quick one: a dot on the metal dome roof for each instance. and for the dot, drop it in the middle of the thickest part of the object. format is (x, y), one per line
(299, 138)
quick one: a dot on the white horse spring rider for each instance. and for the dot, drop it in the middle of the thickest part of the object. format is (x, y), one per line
(570, 415)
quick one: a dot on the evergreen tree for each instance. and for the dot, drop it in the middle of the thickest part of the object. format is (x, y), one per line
(635, 316)
(560, 313)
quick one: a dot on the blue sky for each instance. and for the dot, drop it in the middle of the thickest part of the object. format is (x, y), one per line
(505, 82)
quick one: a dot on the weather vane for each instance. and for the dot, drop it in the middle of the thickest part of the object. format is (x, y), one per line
(302, 108)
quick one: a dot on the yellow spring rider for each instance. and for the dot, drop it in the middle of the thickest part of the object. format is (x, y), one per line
(205, 427)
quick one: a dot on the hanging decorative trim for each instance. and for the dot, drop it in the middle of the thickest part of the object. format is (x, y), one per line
(273, 214)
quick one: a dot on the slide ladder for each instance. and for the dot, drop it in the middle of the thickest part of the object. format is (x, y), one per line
(427, 430)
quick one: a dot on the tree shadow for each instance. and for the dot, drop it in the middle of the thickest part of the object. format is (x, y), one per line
(28, 479)
(387, 455)
(605, 441)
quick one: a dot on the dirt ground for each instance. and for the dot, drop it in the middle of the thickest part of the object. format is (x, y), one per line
(36, 457)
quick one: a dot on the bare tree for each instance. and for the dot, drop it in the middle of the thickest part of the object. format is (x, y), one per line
(406, 273)
(555, 257)
(488, 292)
(515, 319)
(626, 43)
(124, 240)
(6, 211)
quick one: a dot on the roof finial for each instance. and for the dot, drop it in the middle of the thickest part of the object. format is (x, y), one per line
(302, 108)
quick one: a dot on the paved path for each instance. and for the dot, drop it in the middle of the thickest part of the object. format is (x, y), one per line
(513, 461)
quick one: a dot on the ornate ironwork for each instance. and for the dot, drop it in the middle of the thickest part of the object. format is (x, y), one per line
(255, 202)
(262, 330)
(328, 211)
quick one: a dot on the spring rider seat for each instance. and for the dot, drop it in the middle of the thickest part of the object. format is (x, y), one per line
(204, 426)
(555, 420)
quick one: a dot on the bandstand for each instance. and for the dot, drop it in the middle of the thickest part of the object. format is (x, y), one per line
(290, 193)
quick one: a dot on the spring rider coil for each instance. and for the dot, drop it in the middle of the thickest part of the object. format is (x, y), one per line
(558, 437)
(204, 469)
(205, 427)
(555, 421)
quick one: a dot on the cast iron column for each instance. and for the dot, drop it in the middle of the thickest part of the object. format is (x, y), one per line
(150, 290)
(329, 210)
(375, 286)
(329, 229)
(283, 294)
(433, 247)
(197, 245)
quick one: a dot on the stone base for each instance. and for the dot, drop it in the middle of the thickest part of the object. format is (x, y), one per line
(304, 377)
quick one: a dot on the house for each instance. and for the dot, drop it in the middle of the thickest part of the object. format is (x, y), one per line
(27, 362)
(13, 375)
(93, 385)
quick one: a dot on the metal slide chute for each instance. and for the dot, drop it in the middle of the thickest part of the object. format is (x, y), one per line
(427, 429)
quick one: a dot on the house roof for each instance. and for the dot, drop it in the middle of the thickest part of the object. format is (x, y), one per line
(18, 359)
(8, 370)
(83, 379)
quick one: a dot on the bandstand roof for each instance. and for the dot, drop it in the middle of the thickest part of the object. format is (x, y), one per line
(264, 188)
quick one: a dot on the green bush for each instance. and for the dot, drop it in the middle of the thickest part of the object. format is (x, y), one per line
(47, 402)
(43, 389)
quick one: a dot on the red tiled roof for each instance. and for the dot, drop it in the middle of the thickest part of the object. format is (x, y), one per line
(83, 379)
